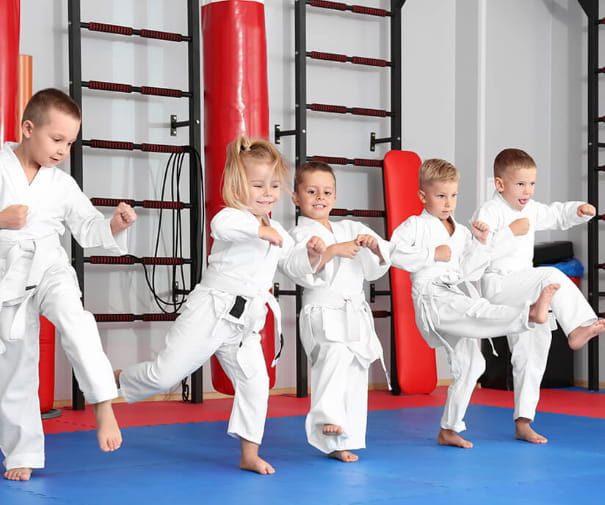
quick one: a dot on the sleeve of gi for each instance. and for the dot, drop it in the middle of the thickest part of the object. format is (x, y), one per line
(558, 215)
(407, 250)
(370, 263)
(234, 225)
(88, 226)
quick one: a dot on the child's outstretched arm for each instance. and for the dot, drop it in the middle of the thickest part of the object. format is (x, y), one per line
(123, 217)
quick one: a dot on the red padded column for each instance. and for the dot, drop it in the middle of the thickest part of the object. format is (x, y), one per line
(235, 103)
(416, 363)
(9, 55)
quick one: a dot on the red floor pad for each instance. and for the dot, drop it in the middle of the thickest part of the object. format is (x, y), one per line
(557, 401)
(173, 412)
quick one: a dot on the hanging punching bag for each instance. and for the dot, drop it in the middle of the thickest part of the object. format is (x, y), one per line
(235, 103)
(9, 56)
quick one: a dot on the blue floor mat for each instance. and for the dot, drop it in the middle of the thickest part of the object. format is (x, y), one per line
(197, 463)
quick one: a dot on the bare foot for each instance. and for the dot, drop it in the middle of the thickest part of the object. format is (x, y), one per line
(332, 429)
(108, 431)
(251, 461)
(582, 334)
(344, 456)
(450, 437)
(116, 376)
(18, 474)
(524, 431)
(538, 312)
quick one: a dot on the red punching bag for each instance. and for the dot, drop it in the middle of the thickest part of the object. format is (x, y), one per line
(9, 56)
(235, 103)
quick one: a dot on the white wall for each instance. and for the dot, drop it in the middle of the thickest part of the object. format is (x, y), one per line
(478, 76)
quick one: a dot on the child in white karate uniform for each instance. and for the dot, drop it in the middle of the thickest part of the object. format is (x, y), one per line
(444, 260)
(38, 202)
(514, 217)
(336, 322)
(226, 311)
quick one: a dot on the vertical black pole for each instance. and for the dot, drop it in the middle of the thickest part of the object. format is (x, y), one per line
(592, 12)
(300, 63)
(396, 129)
(75, 91)
(195, 142)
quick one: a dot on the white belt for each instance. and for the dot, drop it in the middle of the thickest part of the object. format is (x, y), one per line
(25, 263)
(222, 282)
(351, 304)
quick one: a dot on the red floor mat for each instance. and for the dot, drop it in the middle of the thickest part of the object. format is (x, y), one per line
(172, 412)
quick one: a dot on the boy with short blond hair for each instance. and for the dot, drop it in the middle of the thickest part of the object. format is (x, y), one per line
(444, 258)
(514, 217)
(37, 203)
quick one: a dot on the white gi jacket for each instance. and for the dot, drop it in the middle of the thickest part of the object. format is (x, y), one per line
(512, 253)
(55, 201)
(338, 288)
(438, 283)
(242, 264)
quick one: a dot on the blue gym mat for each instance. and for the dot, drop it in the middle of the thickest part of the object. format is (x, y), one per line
(197, 464)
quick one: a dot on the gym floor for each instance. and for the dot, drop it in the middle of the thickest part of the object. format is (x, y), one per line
(178, 454)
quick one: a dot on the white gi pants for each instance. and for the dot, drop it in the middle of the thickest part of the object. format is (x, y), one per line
(466, 365)
(529, 349)
(205, 328)
(339, 394)
(58, 299)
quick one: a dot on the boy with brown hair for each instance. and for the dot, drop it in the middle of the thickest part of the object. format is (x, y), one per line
(444, 258)
(336, 322)
(514, 217)
(38, 202)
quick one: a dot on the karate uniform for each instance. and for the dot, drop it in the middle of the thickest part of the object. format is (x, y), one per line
(36, 278)
(449, 311)
(337, 333)
(511, 274)
(224, 315)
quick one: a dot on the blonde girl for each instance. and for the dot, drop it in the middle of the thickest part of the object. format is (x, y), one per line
(227, 309)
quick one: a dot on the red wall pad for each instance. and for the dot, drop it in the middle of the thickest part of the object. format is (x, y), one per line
(9, 56)
(235, 103)
(416, 366)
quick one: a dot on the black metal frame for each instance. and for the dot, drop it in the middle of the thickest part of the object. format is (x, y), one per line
(194, 124)
(300, 47)
(591, 9)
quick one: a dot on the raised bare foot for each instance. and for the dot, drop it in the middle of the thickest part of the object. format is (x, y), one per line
(450, 437)
(332, 429)
(538, 312)
(582, 334)
(108, 431)
(344, 456)
(524, 431)
(18, 474)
